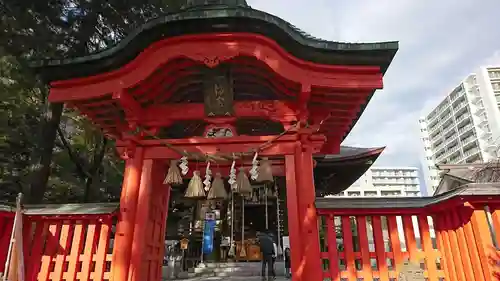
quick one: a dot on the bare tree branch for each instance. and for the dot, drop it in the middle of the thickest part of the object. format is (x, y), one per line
(74, 158)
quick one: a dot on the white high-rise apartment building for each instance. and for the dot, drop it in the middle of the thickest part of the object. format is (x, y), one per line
(386, 181)
(464, 127)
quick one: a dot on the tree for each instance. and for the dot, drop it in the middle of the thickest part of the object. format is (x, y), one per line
(34, 30)
(20, 110)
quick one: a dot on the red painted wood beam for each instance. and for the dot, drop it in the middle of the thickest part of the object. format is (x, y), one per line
(167, 74)
(276, 110)
(211, 50)
(133, 110)
(156, 149)
(281, 111)
(110, 131)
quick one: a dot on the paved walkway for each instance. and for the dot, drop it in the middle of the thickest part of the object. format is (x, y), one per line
(253, 278)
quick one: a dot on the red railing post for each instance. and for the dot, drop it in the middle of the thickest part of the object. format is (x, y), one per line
(483, 240)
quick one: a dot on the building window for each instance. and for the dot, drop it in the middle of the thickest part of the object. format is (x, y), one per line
(390, 193)
(496, 86)
(494, 74)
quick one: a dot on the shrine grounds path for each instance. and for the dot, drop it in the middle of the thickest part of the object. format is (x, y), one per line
(234, 278)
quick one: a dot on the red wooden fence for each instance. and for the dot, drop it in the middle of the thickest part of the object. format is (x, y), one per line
(373, 247)
(69, 243)
(453, 238)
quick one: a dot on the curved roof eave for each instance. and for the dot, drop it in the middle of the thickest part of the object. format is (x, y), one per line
(341, 170)
(350, 153)
(221, 19)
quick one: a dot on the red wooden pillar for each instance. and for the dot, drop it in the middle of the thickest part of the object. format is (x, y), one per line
(293, 218)
(139, 246)
(149, 231)
(125, 228)
(158, 228)
(302, 216)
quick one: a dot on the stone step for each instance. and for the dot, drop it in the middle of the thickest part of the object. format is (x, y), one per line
(228, 269)
(232, 264)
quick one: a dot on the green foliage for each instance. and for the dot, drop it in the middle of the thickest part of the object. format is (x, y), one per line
(20, 111)
(52, 154)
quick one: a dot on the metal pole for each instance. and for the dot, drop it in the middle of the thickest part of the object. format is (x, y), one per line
(265, 202)
(278, 224)
(232, 219)
(202, 240)
(242, 225)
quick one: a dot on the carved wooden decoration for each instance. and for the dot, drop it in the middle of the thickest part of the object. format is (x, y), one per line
(411, 272)
(219, 94)
(219, 132)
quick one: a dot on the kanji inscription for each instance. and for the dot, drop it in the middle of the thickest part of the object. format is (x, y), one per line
(219, 95)
(411, 272)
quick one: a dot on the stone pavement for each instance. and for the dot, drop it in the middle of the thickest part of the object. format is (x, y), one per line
(233, 278)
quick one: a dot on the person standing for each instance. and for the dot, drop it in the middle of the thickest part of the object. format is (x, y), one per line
(288, 272)
(224, 248)
(274, 257)
(267, 250)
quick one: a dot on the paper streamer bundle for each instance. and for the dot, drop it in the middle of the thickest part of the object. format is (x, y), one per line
(173, 176)
(195, 187)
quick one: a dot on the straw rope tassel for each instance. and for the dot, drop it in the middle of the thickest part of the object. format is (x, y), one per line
(265, 171)
(195, 187)
(217, 191)
(173, 176)
(243, 184)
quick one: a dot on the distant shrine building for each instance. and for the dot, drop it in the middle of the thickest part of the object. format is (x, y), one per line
(230, 121)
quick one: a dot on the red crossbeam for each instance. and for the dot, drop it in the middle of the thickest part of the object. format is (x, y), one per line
(156, 149)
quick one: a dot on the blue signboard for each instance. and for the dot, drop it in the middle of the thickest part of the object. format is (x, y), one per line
(208, 235)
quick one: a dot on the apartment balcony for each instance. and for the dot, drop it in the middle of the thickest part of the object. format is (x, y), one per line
(459, 106)
(450, 132)
(468, 140)
(483, 134)
(439, 156)
(452, 150)
(439, 151)
(475, 98)
(393, 175)
(471, 152)
(457, 96)
(388, 182)
(465, 129)
(462, 117)
(436, 145)
(435, 134)
(479, 110)
(456, 160)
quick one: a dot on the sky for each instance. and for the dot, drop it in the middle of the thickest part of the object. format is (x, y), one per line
(440, 43)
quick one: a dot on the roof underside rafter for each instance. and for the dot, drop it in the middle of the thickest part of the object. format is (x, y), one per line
(168, 77)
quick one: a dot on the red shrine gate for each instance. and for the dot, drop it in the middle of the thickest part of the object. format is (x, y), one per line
(212, 67)
(317, 107)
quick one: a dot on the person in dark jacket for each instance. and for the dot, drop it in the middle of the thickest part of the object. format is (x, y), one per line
(267, 249)
(288, 265)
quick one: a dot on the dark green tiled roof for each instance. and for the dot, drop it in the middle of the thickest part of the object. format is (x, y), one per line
(221, 18)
